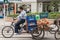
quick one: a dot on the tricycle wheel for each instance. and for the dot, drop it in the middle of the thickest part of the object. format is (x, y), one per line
(36, 33)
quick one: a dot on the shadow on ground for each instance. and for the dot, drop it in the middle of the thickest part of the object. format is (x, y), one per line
(46, 39)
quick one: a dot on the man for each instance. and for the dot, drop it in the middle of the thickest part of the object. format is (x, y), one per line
(20, 19)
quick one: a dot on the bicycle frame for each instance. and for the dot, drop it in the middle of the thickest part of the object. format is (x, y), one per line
(49, 29)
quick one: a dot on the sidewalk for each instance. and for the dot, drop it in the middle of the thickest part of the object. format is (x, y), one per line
(1, 22)
(4, 22)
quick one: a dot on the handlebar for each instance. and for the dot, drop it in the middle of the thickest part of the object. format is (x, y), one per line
(14, 18)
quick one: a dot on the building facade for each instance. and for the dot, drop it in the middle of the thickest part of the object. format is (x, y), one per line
(46, 6)
(30, 6)
(35, 5)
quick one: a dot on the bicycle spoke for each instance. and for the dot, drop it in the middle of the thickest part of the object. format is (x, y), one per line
(7, 31)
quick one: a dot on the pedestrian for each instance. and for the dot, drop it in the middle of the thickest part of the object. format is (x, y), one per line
(20, 19)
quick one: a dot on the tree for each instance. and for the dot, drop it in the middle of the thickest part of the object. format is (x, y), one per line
(5, 1)
(55, 4)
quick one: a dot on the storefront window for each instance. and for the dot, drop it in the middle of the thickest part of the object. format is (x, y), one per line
(48, 8)
(11, 8)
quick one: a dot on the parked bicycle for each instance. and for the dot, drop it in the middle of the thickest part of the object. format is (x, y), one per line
(57, 33)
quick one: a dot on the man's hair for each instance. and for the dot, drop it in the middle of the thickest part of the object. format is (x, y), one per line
(21, 8)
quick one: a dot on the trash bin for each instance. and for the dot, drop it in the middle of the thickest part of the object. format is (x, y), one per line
(37, 17)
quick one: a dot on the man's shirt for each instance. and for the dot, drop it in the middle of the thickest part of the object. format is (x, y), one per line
(22, 15)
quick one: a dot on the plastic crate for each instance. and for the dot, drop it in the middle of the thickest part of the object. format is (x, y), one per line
(34, 21)
(31, 28)
(31, 24)
(30, 18)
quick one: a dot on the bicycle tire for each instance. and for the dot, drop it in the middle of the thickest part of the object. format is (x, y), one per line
(55, 35)
(11, 34)
(42, 32)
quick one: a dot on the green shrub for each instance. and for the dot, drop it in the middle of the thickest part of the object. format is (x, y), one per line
(51, 15)
(34, 13)
(14, 15)
(54, 15)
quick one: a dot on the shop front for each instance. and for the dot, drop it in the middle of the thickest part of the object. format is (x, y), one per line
(46, 6)
(29, 6)
(1, 9)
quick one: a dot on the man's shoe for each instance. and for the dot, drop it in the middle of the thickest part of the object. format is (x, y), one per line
(17, 33)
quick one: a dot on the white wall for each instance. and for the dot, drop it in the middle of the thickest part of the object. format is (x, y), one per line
(34, 7)
(20, 1)
(59, 9)
(29, 0)
(33, 4)
(40, 7)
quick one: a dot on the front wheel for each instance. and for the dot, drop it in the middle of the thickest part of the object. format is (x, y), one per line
(57, 34)
(7, 32)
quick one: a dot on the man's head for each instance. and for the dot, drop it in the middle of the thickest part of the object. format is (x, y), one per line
(20, 9)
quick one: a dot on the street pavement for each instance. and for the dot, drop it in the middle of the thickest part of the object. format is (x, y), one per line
(23, 36)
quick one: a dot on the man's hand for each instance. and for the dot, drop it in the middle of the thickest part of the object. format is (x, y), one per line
(14, 20)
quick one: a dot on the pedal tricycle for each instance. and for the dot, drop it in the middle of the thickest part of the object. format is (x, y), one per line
(8, 31)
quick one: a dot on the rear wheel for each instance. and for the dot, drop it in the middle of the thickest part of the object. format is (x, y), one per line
(7, 32)
(38, 33)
